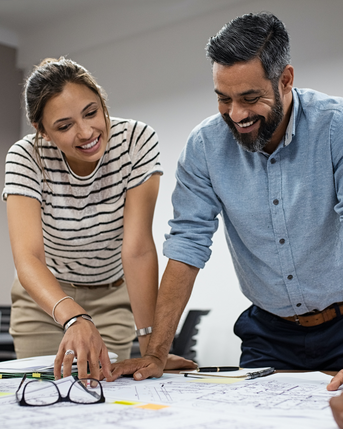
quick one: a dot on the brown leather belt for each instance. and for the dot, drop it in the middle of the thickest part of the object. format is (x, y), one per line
(315, 318)
(116, 283)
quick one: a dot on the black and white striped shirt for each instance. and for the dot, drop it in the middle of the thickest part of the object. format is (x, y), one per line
(82, 217)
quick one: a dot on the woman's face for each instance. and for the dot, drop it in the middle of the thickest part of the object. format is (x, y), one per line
(74, 120)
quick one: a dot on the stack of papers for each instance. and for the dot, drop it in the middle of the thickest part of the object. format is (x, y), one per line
(37, 365)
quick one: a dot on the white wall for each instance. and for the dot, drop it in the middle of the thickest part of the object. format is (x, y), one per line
(159, 74)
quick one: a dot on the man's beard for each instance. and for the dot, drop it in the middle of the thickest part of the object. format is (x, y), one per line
(265, 131)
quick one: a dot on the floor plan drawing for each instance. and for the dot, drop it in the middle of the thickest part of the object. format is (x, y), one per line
(175, 402)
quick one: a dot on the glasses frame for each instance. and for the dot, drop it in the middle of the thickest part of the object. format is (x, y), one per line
(22, 402)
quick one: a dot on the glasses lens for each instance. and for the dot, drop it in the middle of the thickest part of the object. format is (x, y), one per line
(38, 392)
(85, 391)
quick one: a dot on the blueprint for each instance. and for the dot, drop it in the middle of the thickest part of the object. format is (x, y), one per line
(175, 402)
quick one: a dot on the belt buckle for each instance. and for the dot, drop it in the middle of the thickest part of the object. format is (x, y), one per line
(296, 319)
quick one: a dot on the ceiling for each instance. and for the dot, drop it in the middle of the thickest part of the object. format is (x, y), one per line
(22, 16)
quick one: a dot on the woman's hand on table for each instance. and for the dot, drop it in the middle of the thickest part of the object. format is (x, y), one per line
(84, 339)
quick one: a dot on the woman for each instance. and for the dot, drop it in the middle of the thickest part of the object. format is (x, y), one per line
(80, 199)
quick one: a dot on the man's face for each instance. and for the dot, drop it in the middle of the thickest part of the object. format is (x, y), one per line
(248, 103)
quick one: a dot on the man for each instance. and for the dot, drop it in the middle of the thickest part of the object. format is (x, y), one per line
(271, 163)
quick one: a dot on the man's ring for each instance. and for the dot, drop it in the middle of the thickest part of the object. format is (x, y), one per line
(69, 352)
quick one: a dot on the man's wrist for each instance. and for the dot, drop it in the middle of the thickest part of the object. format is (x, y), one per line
(160, 356)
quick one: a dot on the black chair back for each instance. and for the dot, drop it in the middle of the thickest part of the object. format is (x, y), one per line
(6, 341)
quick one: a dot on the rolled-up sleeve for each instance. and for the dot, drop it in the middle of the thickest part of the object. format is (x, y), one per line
(336, 132)
(196, 208)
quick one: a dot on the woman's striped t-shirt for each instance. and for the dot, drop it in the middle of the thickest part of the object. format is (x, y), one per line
(82, 217)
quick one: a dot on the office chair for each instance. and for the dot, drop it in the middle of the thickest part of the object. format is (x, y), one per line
(6, 341)
(182, 345)
(184, 342)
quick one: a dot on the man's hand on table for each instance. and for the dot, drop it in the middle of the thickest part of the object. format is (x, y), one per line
(178, 362)
(149, 366)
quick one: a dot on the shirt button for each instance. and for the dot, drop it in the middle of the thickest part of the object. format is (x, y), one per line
(299, 304)
(276, 202)
(273, 161)
(290, 277)
(282, 241)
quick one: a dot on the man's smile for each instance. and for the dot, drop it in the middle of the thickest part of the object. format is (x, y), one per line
(247, 126)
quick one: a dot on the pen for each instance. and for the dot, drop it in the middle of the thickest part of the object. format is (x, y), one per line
(217, 368)
(262, 373)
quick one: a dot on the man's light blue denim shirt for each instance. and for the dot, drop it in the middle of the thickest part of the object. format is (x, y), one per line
(282, 212)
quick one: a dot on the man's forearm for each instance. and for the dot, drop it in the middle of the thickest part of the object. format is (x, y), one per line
(175, 290)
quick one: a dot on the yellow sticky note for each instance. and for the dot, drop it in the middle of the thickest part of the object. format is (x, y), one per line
(125, 402)
(153, 406)
(216, 380)
(36, 374)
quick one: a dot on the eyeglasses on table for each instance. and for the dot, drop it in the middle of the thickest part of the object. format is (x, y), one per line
(38, 393)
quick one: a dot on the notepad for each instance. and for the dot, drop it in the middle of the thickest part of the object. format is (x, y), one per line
(247, 373)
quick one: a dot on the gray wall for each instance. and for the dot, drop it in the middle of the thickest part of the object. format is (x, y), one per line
(10, 90)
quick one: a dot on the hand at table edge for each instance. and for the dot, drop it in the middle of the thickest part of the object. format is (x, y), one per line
(336, 405)
(336, 381)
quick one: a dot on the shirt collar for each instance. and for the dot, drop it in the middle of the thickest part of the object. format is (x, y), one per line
(290, 130)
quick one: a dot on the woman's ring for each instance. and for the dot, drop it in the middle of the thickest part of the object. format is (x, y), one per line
(69, 352)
